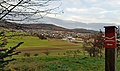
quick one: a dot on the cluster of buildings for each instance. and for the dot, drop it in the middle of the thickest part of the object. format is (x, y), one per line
(63, 35)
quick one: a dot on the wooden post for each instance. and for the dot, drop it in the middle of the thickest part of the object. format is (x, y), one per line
(110, 59)
(110, 48)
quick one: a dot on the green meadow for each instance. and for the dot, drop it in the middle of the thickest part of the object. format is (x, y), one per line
(49, 63)
(31, 42)
(52, 55)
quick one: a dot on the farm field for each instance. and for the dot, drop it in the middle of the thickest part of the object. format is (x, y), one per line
(51, 55)
(31, 42)
(35, 45)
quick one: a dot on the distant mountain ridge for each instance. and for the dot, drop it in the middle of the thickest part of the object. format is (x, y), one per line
(41, 26)
(74, 24)
(69, 24)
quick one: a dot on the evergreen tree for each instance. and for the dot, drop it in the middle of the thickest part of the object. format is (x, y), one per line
(6, 52)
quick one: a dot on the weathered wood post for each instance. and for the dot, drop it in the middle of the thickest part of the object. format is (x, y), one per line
(110, 48)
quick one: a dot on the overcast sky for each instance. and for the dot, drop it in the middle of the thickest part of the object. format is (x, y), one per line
(89, 11)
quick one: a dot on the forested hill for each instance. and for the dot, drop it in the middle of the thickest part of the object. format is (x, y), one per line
(40, 26)
(44, 27)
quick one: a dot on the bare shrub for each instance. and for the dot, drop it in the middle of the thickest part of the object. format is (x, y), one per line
(27, 54)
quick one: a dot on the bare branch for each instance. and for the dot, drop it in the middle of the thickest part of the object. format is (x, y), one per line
(11, 10)
(25, 9)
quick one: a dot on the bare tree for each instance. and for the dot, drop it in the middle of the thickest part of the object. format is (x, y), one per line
(94, 44)
(20, 10)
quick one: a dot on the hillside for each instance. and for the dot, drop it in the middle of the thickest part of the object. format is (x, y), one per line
(8, 25)
(83, 30)
(40, 26)
(43, 27)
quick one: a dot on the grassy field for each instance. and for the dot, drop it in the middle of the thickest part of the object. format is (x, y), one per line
(52, 63)
(35, 45)
(31, 42)
(51, 55)
(49, 63)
